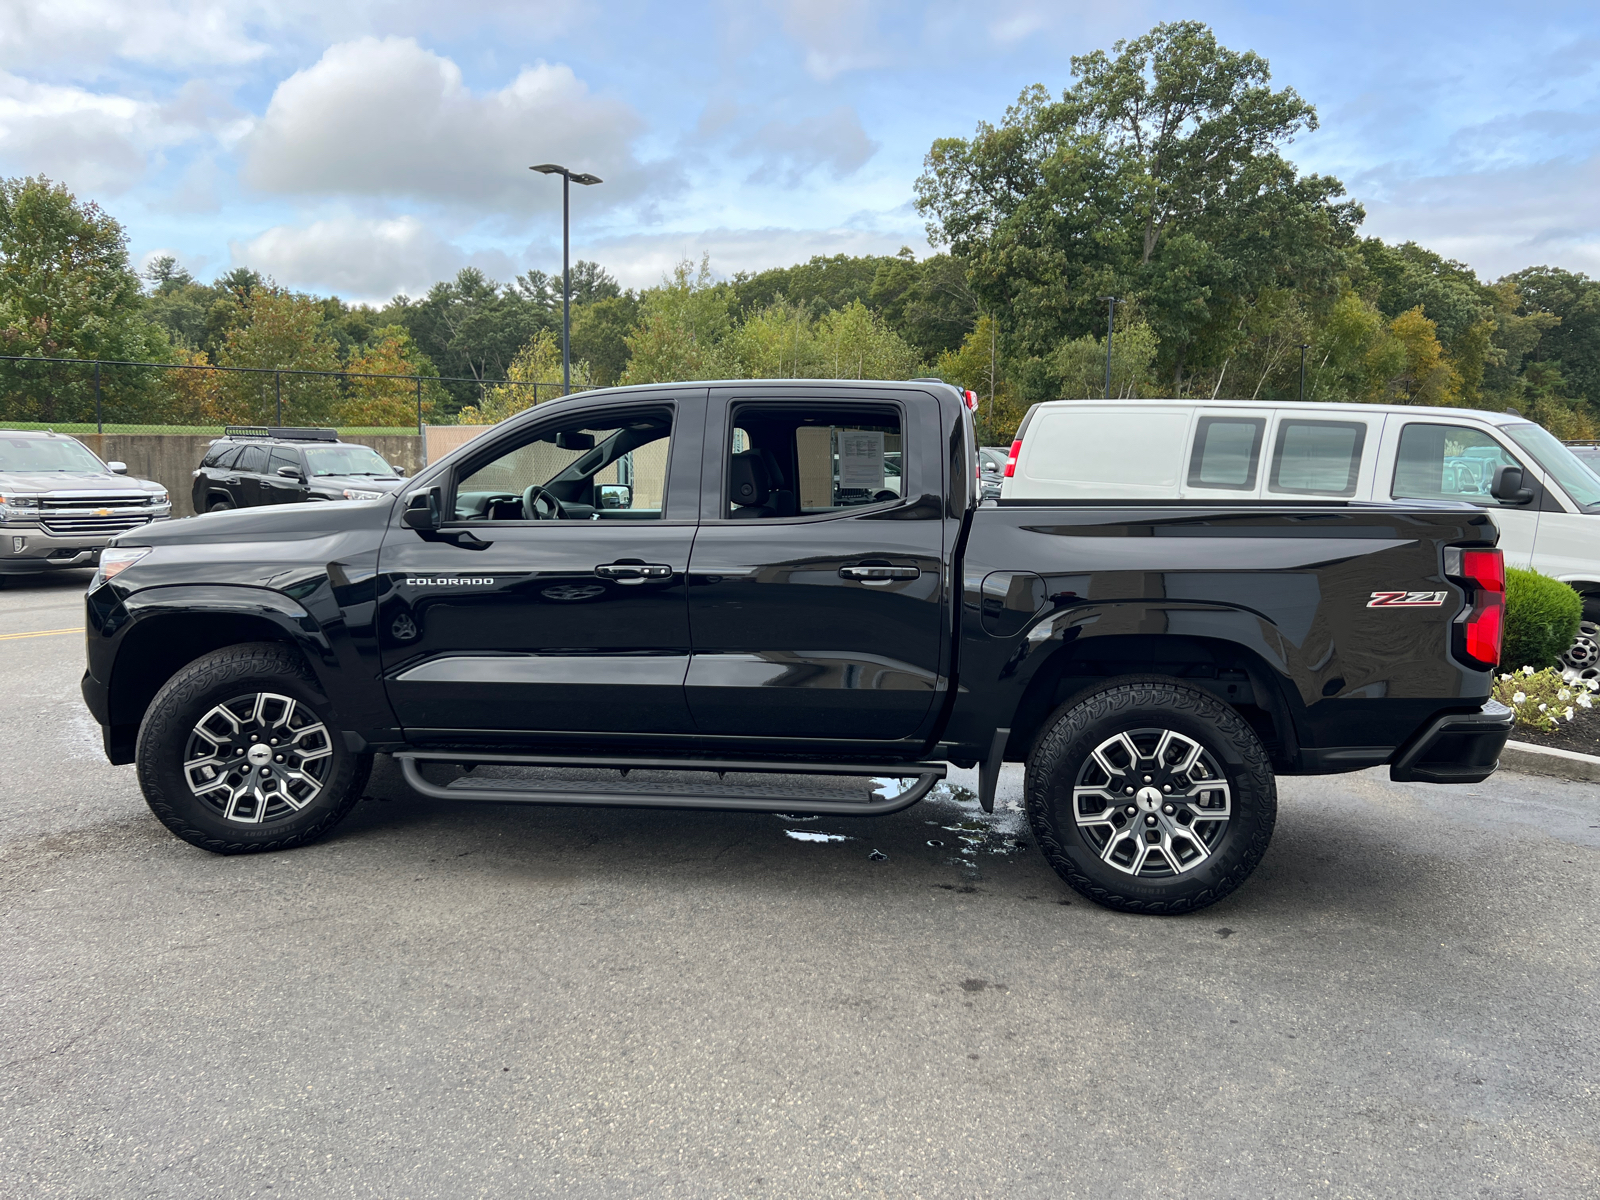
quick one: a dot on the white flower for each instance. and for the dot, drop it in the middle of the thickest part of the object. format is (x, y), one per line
(1563, 694)
(1518, 697)
(1542, 707)
(1585, 702)
(1527, 670)
(1569, 712)
(1592, 684)
(1505, 677)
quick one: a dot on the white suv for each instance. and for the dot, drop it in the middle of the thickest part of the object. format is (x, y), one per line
(1545, 501)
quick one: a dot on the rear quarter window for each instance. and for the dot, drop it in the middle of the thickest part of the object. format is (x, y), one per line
(1092, 453)
(1317, 458)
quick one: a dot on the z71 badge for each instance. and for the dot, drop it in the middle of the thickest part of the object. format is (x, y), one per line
(1407, 599)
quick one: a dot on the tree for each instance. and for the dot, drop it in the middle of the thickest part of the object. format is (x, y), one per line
(681, 328)
(388, 402)
(1569, 302)
(1428, 377)
(976, 365)
(1156, 177)
(600, 335)
(539, 362)
(280, 331)
(67, 291)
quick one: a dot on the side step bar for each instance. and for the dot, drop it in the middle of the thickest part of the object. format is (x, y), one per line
(724, 797)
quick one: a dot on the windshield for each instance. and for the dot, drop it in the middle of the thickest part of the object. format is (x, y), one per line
(1575, 479)
(346, 460)
(48, 454)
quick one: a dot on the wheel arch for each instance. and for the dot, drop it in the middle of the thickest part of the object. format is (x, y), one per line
(1233, 673)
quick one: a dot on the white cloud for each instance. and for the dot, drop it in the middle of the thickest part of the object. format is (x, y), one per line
(362, 260)
(388, 118)
(791, 150)
(1496, 221)
(95, 142)
(183, 33)
(837, 35)
(640, 260)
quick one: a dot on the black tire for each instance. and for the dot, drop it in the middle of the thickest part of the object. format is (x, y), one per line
(308, 788)
(219, 506)
(1195, 860)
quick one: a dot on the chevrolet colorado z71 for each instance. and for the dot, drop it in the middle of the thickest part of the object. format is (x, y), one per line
(715, 577)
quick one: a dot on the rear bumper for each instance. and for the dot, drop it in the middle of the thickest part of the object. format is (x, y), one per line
(1456, 748)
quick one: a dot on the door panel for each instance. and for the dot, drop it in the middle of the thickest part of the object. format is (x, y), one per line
(536, 611)
(820, 616)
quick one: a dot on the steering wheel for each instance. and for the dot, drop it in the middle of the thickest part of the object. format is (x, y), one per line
(540, 505)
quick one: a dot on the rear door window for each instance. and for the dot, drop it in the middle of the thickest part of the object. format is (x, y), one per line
(1227, 452)
(1317, 458)
(253, 460)
(1447, 462)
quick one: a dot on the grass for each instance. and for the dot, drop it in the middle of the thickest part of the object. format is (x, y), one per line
(188, 430)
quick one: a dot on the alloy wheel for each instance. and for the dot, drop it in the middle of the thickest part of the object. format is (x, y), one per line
(258, 758)
(1152, 802)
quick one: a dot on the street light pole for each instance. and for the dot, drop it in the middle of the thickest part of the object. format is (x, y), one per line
(568, 178)
(1111, 324)
(1304, 346)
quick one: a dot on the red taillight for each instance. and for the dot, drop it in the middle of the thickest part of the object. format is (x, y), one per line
(1011, 459)
(1485, 620)
(971, 397)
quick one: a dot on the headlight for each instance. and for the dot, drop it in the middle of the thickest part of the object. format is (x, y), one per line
(20, 507)
(354, 494)
(115, 560)
(158, 500)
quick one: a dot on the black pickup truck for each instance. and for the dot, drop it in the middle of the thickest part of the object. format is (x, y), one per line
(795, 577)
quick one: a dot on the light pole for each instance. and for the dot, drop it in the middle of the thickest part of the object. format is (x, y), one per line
(1111, 323)
(568, 178)
(1304, 346)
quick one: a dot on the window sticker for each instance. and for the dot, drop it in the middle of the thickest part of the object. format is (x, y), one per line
(861, 459)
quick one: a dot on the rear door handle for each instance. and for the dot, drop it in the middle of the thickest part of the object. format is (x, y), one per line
(633, 572)
(878, 574)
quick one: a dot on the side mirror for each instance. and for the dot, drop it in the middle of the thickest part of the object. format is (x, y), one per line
(117, 468)
(289, 472)
(400, 471)
(616, 495)
(1507, 486)
(422, 511)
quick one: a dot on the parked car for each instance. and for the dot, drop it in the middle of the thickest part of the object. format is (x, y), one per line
(1153, 663)
(250, 466)
(60, 505)
(991, 471)
(1544, 499)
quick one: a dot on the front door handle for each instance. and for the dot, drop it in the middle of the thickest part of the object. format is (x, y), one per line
(633, 572)
(877, 574)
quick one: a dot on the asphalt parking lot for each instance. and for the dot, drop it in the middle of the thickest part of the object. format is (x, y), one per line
(449, 1001)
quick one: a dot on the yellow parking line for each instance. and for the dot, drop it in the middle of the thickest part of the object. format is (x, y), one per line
(7, 637)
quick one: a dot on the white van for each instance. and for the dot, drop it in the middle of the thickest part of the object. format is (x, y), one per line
(1230, 450)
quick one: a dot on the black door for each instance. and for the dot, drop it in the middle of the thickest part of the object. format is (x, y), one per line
(815, 599)
(555, 600)
(277, 488)
(245, 481)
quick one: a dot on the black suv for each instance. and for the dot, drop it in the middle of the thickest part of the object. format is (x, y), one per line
(249, 466)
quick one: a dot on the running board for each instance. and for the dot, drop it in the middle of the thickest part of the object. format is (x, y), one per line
(724, 797)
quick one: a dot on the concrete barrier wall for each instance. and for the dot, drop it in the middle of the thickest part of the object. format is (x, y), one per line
(171, 459)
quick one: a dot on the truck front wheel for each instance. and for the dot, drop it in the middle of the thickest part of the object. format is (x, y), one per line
(1150, 796)
(238, 753)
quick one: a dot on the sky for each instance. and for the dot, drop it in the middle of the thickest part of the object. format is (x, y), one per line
(367, 149)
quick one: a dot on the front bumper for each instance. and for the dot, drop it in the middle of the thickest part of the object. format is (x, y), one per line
(32, 549)
(1456, 748)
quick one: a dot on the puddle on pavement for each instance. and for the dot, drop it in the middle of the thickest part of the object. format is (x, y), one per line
(816, 835)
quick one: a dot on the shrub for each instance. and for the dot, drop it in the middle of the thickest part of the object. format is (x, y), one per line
(1541, 619)
(1543, 699)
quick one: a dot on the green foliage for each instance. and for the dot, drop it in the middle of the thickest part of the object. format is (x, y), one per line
(1542, 617)
(66, 291)
(1157, 177)
(280, 330)
(682, 325)
(600, 335)
(1543, 699)
(1080, 363)
(539, 362)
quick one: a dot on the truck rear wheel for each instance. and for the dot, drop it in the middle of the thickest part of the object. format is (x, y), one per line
(1149, 796)
(238, 753)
